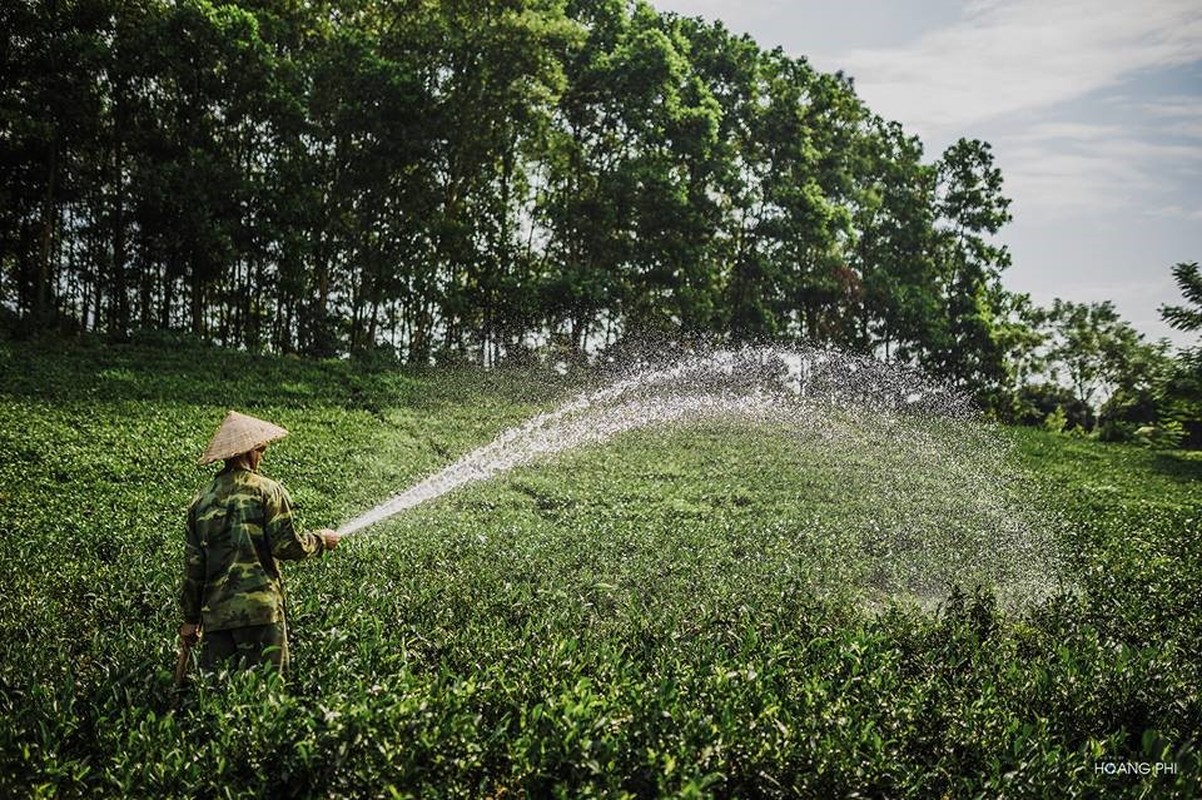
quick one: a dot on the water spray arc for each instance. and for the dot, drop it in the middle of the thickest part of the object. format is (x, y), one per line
(907, 489)
(753, 383)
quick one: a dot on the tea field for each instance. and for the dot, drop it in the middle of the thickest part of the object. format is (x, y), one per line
(695, 612)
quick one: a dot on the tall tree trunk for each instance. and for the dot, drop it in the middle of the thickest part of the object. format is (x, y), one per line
(372, 322)
(168, 300)
(198, 297)
(119, 300)
(48, 225)
(146, 296)
(319, 322)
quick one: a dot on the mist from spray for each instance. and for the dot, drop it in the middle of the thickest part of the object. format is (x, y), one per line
(945, 508)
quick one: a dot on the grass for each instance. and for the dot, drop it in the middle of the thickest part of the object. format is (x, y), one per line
(715, 611)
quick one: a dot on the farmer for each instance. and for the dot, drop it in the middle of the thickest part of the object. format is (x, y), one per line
(238, 526)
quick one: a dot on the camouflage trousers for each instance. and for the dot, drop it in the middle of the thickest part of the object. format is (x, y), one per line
(240, 648)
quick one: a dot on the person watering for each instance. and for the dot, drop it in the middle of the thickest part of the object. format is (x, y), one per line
(239, 526)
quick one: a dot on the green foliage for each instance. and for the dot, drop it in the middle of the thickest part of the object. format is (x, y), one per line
(1088, 361)
(1180, 394)
(474, 184)
(1122, 387)
(647, 620)
(1056, 421)
(964, 327)
(1167, 435)
(1186, 317)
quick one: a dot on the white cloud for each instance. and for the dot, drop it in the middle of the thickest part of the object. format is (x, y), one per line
(1064, 183)
(1004, 57)
(1178, 116)
(1045, 132)
(1064, 168)
(1176, 212)
(1175, 106)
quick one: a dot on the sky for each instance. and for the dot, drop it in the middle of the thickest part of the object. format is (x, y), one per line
(1093, 109)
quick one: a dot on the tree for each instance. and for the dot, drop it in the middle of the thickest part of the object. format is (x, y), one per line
(1181, 395)
(962, 345)
(1099, 355)
(749, 283)
(1021, 337)
(669, 285)
(895, 249)
(1186, 317)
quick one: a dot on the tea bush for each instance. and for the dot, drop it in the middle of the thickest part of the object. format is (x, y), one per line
(680, 613)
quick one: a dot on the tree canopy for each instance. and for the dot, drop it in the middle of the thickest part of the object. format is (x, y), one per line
(475, 182)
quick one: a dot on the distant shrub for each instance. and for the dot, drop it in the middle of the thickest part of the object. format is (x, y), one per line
(1036, 402)
(1113, 430)
(1168, 435)
(1056, 421)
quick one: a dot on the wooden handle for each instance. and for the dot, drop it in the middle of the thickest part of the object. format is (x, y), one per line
(181, 663)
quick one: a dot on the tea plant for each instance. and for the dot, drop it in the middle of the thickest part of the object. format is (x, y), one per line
(715, 611)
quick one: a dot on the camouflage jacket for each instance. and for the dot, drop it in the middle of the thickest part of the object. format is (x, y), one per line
(238, 526)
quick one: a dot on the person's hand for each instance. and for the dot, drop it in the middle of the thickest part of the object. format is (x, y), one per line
(329, 537)
(189, 632)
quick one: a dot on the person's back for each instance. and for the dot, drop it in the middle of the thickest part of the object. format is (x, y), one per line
(237, 527)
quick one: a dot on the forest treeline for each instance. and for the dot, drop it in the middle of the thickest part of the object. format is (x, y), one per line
(476, 177)
(485, 180)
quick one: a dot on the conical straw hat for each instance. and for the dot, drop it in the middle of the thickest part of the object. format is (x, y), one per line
(240, 433)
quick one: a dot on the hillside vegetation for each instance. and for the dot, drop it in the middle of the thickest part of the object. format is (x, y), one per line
(672, 614)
